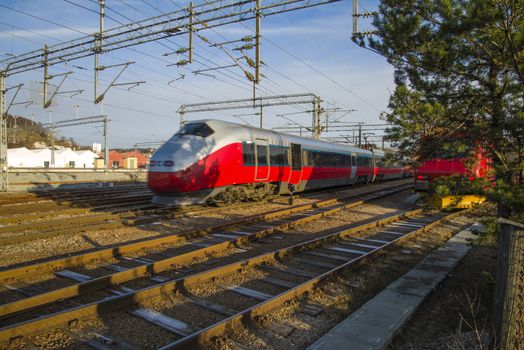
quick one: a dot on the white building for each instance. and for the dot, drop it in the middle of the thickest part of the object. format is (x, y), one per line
(42, 158)
(85, 159)
(97, 148)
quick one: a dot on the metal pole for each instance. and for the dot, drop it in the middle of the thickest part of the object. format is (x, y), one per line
(4, 184)
(257, 48)
(52, 148)
(360, 134)
(181, 122)
(313, 116)
(190, 32)
(355, 17)
(98, 47)
(106, 143)
(319, 127)
(96, 73)
(46, 77)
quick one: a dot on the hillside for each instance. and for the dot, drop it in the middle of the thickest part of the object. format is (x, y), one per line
(23, 132)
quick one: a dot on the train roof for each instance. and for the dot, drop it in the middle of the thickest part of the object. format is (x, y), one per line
(247, 131)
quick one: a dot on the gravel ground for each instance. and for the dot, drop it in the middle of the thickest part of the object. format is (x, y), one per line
(42, 249)
(344, 293)
(307, 232)
(210, 290)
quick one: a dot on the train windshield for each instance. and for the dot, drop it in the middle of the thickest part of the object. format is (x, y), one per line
(197, 129)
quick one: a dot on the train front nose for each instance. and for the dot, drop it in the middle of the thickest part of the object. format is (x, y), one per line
(179, 181)
(174, 167)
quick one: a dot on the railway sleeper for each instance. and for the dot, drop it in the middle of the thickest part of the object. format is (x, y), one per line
(147, 261)
(268, 303)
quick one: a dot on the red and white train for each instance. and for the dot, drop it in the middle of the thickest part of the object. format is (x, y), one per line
(222, 162)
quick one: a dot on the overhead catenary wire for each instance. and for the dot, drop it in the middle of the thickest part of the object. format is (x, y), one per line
(267, 91)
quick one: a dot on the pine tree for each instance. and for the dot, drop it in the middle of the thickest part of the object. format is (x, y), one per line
(459, 73)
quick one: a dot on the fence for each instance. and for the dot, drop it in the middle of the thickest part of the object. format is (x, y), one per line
(509, 294)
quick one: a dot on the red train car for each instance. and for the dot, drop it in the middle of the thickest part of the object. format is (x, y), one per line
(222, 162)
(479, 167)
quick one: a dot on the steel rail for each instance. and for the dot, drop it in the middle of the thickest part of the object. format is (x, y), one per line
(163, 265)
(58, 194)
(255, 312)
(76, 199)
(82, 259)
(130, 298)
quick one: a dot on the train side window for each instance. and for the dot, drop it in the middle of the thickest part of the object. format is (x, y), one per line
(311, 158)
(278, 155)
(262, 155)
(296, 156)
(248, 153)
(353, 160)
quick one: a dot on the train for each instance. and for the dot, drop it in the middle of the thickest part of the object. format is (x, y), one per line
(219, 162)
(473, 166)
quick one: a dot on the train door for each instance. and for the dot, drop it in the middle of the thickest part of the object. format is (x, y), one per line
(353, 174)
(262, 157)
(374, 169)
(296, 164)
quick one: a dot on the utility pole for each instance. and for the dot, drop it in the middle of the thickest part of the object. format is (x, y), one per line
(52, 136)
(313, 117)
(256, 80)
(355, 17)
(190, 29)
(46, 76)
(318, 113)
(98, 46)
(360, 134)
(257, 43)
(3, 135)
(106, 143)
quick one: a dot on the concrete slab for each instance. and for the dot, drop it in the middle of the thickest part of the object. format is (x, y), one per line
(390, 299)
(333, 342)
(374, 324)
(417, 282)
(361, 332)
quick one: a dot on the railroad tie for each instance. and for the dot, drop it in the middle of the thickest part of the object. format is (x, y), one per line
(255, 294)
(169, 323)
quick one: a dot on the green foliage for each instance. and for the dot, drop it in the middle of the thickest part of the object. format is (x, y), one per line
(492, 230)
(459, 74)
(510, 199)
(457, 184)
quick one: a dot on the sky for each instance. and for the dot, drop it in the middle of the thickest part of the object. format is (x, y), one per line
(303, 51)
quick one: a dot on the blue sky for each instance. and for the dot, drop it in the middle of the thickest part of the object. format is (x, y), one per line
(344, 75)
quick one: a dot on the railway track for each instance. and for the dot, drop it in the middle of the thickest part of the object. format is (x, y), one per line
(206, 290)
(64, 195)
(213, 244)
(109, 216)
